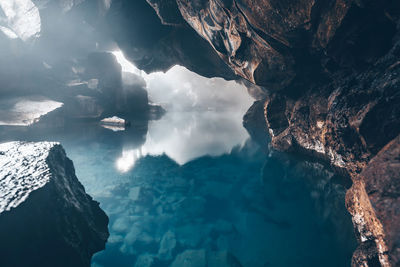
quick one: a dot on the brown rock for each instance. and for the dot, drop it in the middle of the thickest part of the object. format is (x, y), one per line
(382, 184)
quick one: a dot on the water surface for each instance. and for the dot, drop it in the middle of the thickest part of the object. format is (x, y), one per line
(193, 189)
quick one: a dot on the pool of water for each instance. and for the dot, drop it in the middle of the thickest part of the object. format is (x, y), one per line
(193, 189)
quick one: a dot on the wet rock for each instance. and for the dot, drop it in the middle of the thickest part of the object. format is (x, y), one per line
(38, 185)
(346, 122)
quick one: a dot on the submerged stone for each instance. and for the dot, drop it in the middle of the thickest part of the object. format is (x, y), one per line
(203, 258)
(167, 245)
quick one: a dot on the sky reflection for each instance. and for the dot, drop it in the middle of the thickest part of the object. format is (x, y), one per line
(204, 116)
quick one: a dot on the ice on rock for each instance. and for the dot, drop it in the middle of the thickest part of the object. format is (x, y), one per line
(23, 169)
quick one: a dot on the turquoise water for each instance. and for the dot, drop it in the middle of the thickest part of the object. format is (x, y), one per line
(193, 189)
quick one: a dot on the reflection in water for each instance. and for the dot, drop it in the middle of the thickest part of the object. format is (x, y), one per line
(242, 206)
(128, 159)
(204, 116)
(25, 110)
(185, 136)
(190, 188)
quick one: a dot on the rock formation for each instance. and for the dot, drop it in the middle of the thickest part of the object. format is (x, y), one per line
(46, 218)
(332, 70)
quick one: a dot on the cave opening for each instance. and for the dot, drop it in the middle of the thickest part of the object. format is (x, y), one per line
(183, 133)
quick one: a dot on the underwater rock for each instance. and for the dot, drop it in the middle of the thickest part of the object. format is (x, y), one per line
(167, 245)
(145, 260)
(203, 258)
(46, 218)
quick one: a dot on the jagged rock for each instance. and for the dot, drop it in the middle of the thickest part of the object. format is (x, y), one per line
(153, 46)
(346, 122)
(335, 65)
(278, 43)
(46, 218)
(254, 122)
(374, 202)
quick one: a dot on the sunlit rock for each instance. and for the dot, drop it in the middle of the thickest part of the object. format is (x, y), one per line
(114, 123)
(22, 17)
(44, 209)
(24, 111)
(8, 32)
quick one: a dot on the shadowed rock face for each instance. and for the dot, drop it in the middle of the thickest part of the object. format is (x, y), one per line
(347, 122)
(153, 46)
(381, 179)
(46, 218)
(280, 43)
(333, 71)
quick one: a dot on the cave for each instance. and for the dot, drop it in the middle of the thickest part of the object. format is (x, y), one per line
(204, 133)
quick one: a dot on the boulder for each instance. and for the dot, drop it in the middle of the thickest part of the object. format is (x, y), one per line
(46, 218)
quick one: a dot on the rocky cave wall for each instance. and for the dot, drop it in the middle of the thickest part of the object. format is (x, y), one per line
(328, 72)
(331, 72)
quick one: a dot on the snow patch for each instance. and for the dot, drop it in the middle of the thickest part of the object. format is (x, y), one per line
(23, 169)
